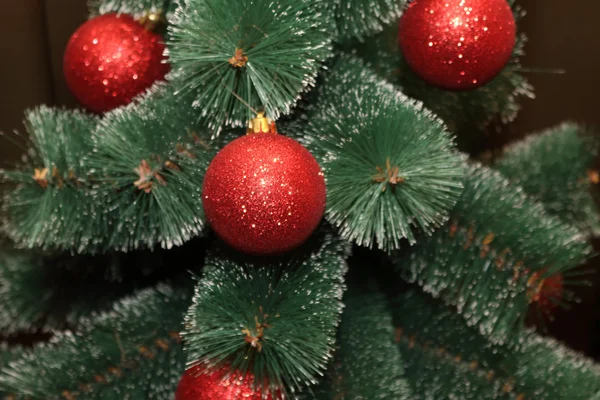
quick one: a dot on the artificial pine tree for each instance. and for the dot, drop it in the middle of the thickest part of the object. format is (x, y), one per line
(421, 278)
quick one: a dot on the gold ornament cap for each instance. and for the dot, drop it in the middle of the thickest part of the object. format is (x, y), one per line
(261, 124)
(153, 20)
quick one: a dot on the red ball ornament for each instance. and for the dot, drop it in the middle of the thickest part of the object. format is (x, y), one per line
(196, 385)
(545, 293)
(457, 44)
(264, 193)
(111, 59)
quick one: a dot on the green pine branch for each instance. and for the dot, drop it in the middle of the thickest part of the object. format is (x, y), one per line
(152, 156)
(491, 258)
(233, 54)
(461, 111)
(367, 364)
(49, 202)
(447, 359)
(390, 166)
(444, 357)
(37, 291)
(7, 354)
(365, 340)
(433, 373)
(34, 292)
(135, 8)
(556, 167)
(129, 180)
(360, 19)
(132, 351)
(273, 317)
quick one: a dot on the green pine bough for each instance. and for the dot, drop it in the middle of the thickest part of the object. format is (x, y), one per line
(232, 57)
(152, 156)
(432, 373)
(491, 260)
(353, 18)
(135, 8)
(461, 111)
(556, 167)
(367, 363)
(132, 351)
(7, 354)
(274, 319)
(390, 166)
(365, 340)
(360, 19)
(129, 180)
(49, 202)
(37, 291)
(444, 358)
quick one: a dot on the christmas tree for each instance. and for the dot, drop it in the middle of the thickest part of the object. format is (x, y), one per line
(280, 200)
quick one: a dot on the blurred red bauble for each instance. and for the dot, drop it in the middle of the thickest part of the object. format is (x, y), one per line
(111, 59)
(264, 193)
(545, 293)
(457, 44)
(195, 385)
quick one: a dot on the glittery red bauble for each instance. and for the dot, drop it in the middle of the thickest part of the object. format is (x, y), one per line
(546, 293)
(264, 193)
(195, 385)
(457, 44)
(111, 59)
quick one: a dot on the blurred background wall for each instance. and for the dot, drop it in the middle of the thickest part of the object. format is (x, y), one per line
(33, 36)
(562, 35)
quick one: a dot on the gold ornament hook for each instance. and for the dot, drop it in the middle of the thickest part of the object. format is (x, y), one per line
(261, 124)
(153, 20)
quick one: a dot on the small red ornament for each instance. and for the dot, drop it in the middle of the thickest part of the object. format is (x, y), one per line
(457, 44)
(545, 293)
(111, 59)
(196, 385)
(264, 193)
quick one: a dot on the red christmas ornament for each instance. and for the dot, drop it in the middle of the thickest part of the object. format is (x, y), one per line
(546, 293)
(111, 59)
(264, 193)
(457, 44)
(195, 385)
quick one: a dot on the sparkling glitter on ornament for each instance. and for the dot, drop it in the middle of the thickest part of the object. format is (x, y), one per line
(545, 293)
(195, 385)
(111, 59)
(264, 193)
(457, 44)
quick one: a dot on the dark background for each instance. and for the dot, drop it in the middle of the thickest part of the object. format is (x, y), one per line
(562, 35)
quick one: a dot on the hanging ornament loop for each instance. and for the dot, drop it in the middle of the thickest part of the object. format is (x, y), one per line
(153, 21)
(261, 124)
